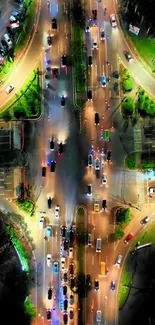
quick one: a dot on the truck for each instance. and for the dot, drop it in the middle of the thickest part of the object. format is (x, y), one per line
(96, 202)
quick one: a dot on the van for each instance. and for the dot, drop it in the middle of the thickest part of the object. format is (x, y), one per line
(119, 260)
(8, 40)
(98, 245)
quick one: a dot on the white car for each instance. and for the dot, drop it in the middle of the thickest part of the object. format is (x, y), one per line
(104, 179)
(95, 46)
(62, 263)
(97, 164)
(71, 252)
(49, 260)
(41, 223)
(113, 21)
(9, 89)
(152, 190)
(57, 211)
(98, 316)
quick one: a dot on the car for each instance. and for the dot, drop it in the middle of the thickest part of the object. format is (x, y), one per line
(98, 316)
(94, 14)
(90, 160)
(9, 88)
(104, 179)
(52, 144)
(64, 290)
(71, 313)
(60, 152)
(90, 61)
(63, 101)
(89, 95)
(89, 240)
(62, 263)
(88, 280)
(54, 24)
(64, 61)
(65, 276)
(103, 81)
(71, 235)
(72, 282)
(89, 189)
(55, 267)
(113, 21)
(65, 318)
(87, 29)
(113, 285)
(71, 252)
(41, 222)
(96, 285)
(12, 19)
(119, 260)
(104, 204)
(49, 40)
(108, 155)
(97, 164)
(57, 211)
(49, 260)
(49, 293)
(71, 299)
(63, 232)
(55, 73)
(97, 119)
(128, 56)
(152, 190)
(128, 238)
(95, 46)
(48, 314)
(53, 165)
(66, 243)
(43, 171)
(65, 304)
(49, 202)
(145, 220)
(71, 268)
(49, 231)
(102, 34)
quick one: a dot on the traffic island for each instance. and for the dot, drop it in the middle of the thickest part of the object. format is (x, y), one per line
(27, 103)
(26, 206)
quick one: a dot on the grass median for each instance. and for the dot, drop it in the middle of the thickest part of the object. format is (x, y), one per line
(79, 59)
(146, 236)
(26, 104)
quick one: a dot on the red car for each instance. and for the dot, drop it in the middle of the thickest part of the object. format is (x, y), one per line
(128, 238)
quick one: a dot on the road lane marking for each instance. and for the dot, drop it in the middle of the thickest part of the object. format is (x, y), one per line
(93, 260)
(58, 49)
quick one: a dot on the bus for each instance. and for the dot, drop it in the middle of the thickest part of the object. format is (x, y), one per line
(106, 135)
(102, 273)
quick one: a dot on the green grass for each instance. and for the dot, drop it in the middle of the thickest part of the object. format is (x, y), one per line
(4, 70)
(146, 236)
(79, 63)
(29, 94)
(80, 257)
(145, 47)
(26, 206)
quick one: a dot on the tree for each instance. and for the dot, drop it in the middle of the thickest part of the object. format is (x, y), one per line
(127, 106)
(82, 286)
(77, 13)
(6, 116)
(126, 79)
(125, 216)
(30, 309)
(19, 113)
(119, 232)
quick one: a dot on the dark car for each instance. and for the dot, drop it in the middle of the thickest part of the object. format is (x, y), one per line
(53, 165)
(63, 231)
(89, 94)
(64, 60)
(49, 40)
(113, 285)
(48, 314)
(71, 268)
(94, 14)
(128, 56)
(104, 204)
(52, 144)
(109, 155)
(62, 101)
(60, 148)
(54, 23)
(71, 235)
(89, 189)
(43, 171)
(71, 313)
(55, 73)
(72, 283)
(97, 119)
(88, 280)
(96, 284)
(90, 60)
(64, 290)
(65, 277)
(65, 304)
(50, 293)
(65, 318)
(66, 244)
(49, 202)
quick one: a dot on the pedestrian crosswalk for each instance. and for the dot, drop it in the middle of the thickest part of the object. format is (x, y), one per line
(127, 186)
(137, 135)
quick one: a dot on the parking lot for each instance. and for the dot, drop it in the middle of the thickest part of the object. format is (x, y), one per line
(5, 136)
